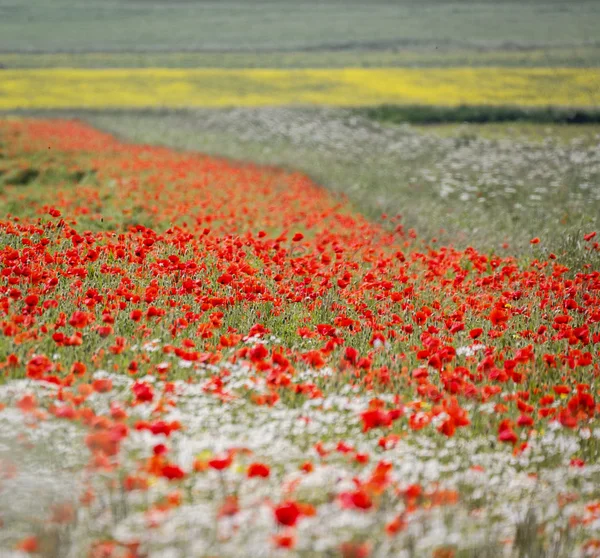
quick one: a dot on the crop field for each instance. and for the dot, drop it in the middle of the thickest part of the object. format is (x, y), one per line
(158, 25)
(146, 87)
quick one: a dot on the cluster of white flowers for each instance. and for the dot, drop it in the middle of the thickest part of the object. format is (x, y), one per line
(496, 490)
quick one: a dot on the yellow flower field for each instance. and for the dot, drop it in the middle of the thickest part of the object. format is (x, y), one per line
(145, 87)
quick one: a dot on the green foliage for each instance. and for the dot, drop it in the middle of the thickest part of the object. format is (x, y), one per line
(422, 114)
(20, 176)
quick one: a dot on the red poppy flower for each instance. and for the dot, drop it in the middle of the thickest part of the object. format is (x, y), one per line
(143, 392)
(374, 418)
(32, 300)
(506, 433)
(80, 319)
(220, 463)
(102, 385)
(172, 472)
(475, 332)
(285, 540)
(357, 499)
(287, 513)
(258, 470)
(38, 366)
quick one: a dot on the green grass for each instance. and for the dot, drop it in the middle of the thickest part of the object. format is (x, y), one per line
(410, 56)
(153, 25)
(530, 132)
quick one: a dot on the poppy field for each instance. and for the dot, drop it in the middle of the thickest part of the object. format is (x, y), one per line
(207, 358)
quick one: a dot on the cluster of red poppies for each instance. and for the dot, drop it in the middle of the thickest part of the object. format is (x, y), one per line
(169, 257)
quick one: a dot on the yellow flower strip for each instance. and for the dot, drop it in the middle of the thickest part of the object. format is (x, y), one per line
(204, 87)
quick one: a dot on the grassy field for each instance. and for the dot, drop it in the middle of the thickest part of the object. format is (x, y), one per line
(582, 134)
(150, 25)
(147, 87)
(411, 56)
